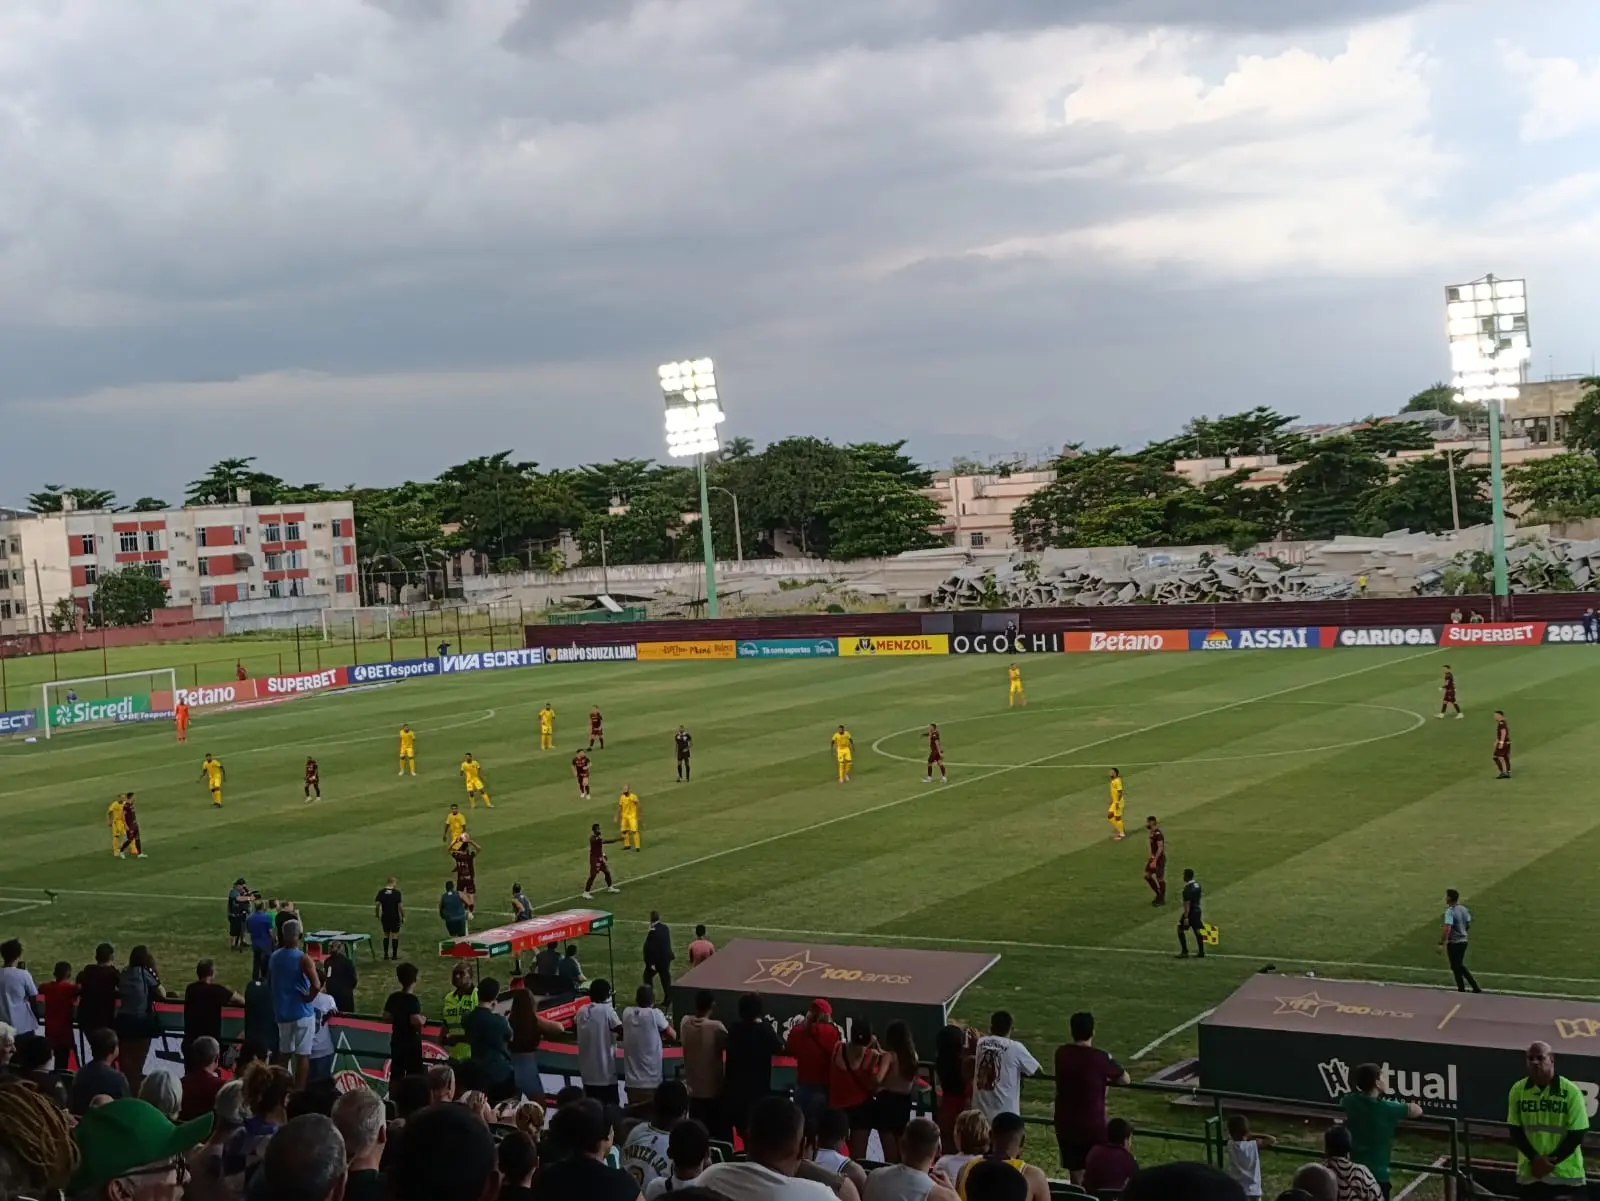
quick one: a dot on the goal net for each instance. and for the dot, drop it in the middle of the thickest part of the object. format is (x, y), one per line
(113, 700)
(369, 623)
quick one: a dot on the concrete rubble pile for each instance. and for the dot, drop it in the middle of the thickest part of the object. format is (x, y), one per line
(1206, 579)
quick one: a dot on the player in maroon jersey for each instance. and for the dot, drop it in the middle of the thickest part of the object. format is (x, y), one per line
(1155, 868)
(597, 729)
(465, 853)
(130, 827)
(313, 781)
(1449, 690)
(580, 768)
(597, 861)
(1502, 748)
(935, 756)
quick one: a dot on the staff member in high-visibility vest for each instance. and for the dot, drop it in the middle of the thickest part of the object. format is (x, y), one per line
(1548, 1116)
(461, 1000)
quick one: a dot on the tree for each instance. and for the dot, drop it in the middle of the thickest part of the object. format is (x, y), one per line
(1583, 423)
(877, 513)
(502, 505)
(1561, 488)
(63, 616)
(1323, 495)
(1259, 431)
(148, 504)
(222, 483)
(648, 532)
(127, 598)
(49, 500)
(1439, 398)
(1417, 497)
(737, 448)
(796, 476)
(886, 458)
(1098, 499)
(1384, 438)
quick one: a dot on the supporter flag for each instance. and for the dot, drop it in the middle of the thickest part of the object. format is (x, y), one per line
(1210, 934)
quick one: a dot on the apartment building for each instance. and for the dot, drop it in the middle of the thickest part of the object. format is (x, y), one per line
(975, 510)
(208, 556)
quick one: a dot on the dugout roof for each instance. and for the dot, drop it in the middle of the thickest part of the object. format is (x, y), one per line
(517, 938)
(1359, 1009)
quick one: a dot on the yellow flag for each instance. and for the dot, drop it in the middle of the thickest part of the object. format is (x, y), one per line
(1210, 934)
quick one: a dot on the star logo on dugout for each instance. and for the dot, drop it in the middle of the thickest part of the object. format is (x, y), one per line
(1307, 1005)
(788, 970)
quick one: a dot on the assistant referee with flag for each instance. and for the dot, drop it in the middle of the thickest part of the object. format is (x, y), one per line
(1191, 918)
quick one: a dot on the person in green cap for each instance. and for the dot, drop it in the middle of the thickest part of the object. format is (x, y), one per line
(1548, 1118)
(129, 1151)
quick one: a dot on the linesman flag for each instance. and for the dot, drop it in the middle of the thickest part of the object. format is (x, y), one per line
(1210, 934)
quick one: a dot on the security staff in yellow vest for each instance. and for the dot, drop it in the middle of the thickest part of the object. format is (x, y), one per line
(461, 1000)
(1548, 1116)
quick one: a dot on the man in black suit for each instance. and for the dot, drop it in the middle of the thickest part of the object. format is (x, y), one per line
(658, 953)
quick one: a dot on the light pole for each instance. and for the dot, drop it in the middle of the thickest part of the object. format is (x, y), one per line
(738, 538)
(1487, 323)
(693, 414)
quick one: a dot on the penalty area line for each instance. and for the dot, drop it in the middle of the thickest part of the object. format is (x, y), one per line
(989, 775)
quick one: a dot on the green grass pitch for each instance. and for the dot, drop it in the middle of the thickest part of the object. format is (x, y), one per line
(1323, 807)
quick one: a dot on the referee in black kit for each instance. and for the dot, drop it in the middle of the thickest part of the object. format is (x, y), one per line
(1191, 918)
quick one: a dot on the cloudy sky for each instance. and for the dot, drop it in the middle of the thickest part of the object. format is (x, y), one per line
(363, 239)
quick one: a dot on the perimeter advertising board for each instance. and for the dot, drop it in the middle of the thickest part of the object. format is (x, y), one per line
(858, 647)
(116, 708)
(789, 648)
(1389, 636)
(1290, 638)
(614, 653)
(1008, 645)
(672, 652)
(1127, 640)
(1495, 633)
(19, 721)
(1454, 1054)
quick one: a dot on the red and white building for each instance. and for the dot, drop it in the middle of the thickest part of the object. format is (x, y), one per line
(208, 556)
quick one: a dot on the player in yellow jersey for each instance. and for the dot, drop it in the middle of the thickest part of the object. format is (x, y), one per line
(547, 727)
(628, 819)
(408, 751)
(455, 825)
(1114, 810)
(472, 774)
(211, 772)
(117, 820)
(1015, 695)
(844, 750)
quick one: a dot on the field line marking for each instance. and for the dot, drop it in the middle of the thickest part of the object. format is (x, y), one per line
(989, 775)
(790, 932)
(1420, 1178)
(1173, 1033)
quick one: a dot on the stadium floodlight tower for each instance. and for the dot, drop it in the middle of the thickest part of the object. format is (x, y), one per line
(1487, 323)
(693, 415)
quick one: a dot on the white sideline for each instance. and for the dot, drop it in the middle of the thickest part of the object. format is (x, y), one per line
(1173, 1033)
(989, 775)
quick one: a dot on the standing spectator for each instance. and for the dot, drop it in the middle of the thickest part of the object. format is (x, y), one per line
(892, 1106)
(444, 1154)
(1241, 1156)
(953, 1064)
(1111, 1165)
(586, 1131)
(645, 1151)
(97, 991)
(970, 1141)
(1355, 1181)
(138, 990)
(752, 1046)
(461, 1000)
(1548, 1116)
(643, 1028)
(911, 1179)
(99, 1077)
(1591, 625)
(360, 1118)
(704, 1041)
(294, 981)
(857, 1070)
(202, 1078)
(777, 1132)
(569, 971)
(1001, 1063)
(528, 1031)
(597, 1025)
(519, 1160)
(811, 1044)
(59, 996)
(701, 948)
(260, 1022)
(658, 953)
(341, 978)
(262, 930)
(689, 1149)
(1373, 1120)
(453, 911)
(322, 1056)
(17, 993)
(1083, 1073)
(1453, 939)
(488, 1034)
(1455, 616)
(1008, 1134)
(203, 1002)
(239, 898)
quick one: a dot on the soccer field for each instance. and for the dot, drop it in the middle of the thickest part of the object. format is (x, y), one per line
(1323, 808)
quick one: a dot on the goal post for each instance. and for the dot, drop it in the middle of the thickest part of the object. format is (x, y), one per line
(115, 699)
(366, 623)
